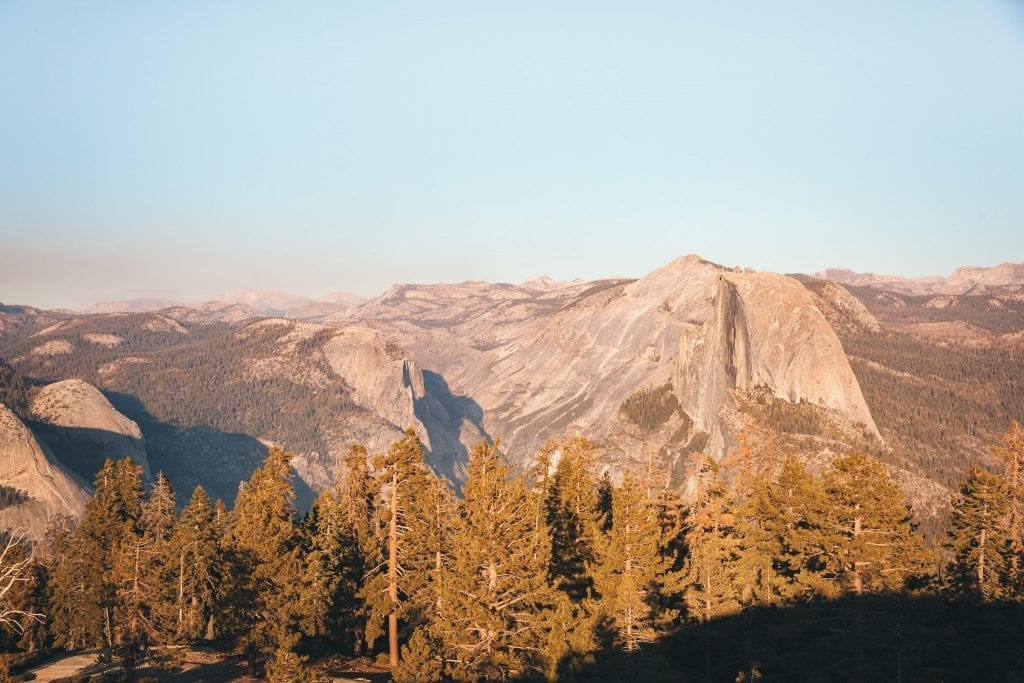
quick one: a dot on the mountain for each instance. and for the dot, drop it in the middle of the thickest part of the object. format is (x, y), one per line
(942, 374)
(1006, 278)
(263, 302)
(34, 485)
(241, 305)
(541, 360)
(689, 359)
(82, 428)
(132, 306)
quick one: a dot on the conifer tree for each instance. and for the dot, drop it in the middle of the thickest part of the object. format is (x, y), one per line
(874, 548)
(159, 559)
(357, 496)
(265, 559)
(198, 569)
(574, 517)
(323, 529)
(631, 571)
(159, 513)
(711, 546)
(20, 590)
(978, 541)
(498, 608)
(84, 586)
(135, 628)
(1009, 456)
(399, 551)
(783, 529)
(605, 497)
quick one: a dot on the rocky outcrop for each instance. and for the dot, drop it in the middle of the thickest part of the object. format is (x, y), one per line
(83, 429)
(843, 311)
(386, 381)
(765, 332)
(35, 485)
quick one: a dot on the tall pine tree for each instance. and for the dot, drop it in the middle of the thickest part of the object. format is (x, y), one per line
(978, 541)
(874, 548)
(631, 572)
(265, 551)
(498, 608)
(400, 551)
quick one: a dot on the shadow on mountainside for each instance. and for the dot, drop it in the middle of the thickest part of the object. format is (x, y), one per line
(189, 456)
(83, 449)
(443, 414)
(873, 638)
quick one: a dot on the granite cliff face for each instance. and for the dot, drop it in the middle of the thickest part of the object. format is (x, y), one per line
(765, 331)
(37, 486)
(571, 356)
(82, 428)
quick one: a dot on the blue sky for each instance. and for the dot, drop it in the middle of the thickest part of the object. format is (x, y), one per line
(187, 148)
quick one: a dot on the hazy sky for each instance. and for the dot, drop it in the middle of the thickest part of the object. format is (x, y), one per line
(187, 148)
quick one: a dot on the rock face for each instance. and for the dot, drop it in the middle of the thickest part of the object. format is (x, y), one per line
(36, 486)
(82, 428)
(544, 358)
(765, 331)
(390, 384)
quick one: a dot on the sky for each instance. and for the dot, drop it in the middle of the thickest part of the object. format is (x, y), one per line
(183, 149)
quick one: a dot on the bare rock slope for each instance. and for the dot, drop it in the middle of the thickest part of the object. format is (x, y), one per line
(765, 331)
(543, 362)
(83, 428)
(36, 486)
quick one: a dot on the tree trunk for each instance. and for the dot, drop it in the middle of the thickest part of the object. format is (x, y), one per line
(181, 591)
(981, 563)
(393, 573)
(858, 583)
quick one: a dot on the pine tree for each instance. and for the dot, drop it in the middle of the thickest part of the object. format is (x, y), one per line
(631, 571)
(875, 548)
(84, 592)
(134, 627)
(400, 554)
(159, 559)
(198, 569)
(1009, 455)
(574, 517)
(357, 495)
(979, 542)
(323, 528)
(783, 529)
(498, 608)
(711, 546)
(265, 555)
(20, 602)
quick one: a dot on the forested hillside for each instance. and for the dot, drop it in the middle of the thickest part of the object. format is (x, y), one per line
(555, 574)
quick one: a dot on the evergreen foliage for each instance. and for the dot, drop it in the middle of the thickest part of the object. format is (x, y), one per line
(874, 548)
(574, 517)
(264, 551)
(631, 571)
(979, 540)
(635, 583)
(498, 608)
(403, 544)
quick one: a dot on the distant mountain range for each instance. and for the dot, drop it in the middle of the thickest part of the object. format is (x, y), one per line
(254, 301)
(692, 358)
(1002, 279)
